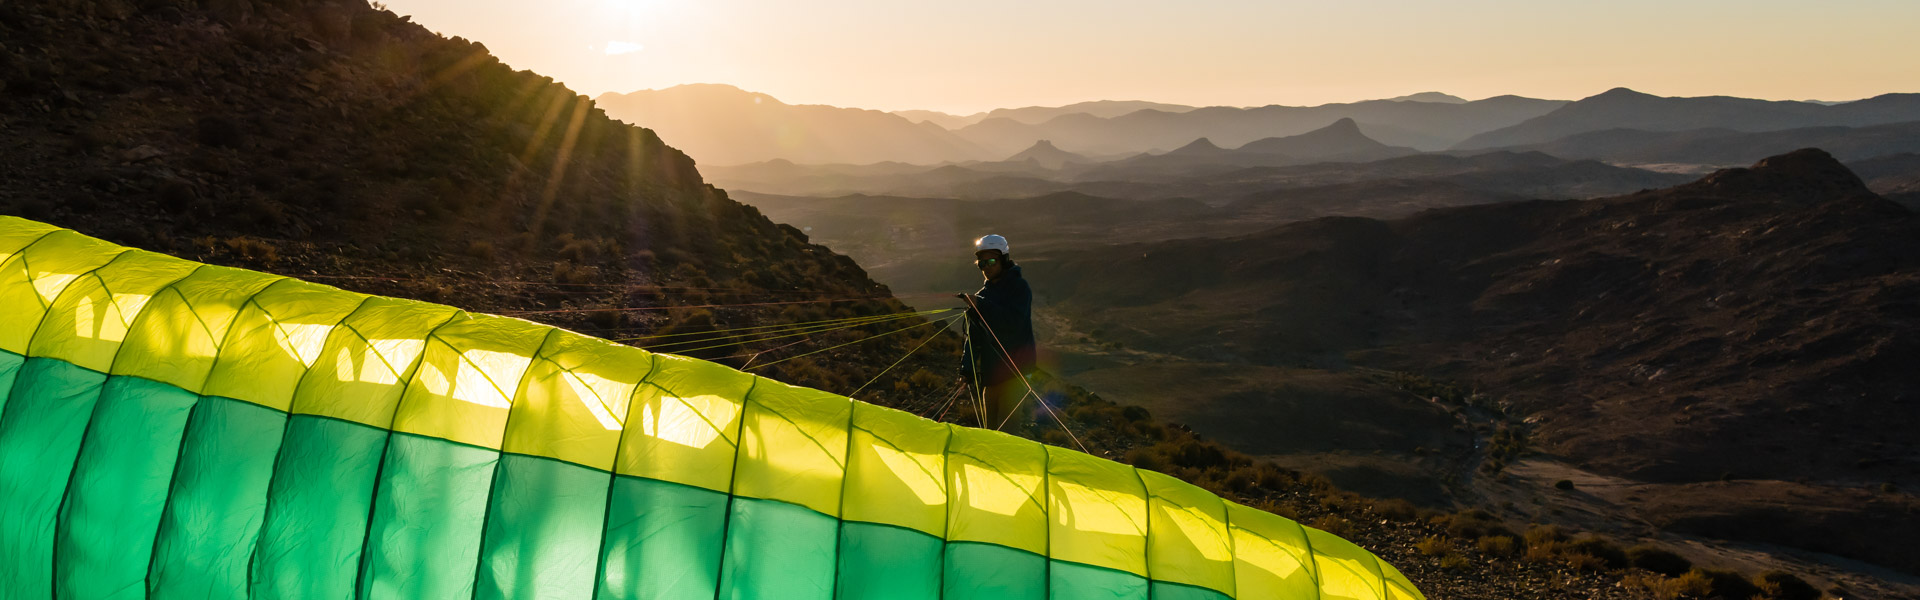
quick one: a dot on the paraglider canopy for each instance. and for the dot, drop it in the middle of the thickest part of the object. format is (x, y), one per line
(187, 430)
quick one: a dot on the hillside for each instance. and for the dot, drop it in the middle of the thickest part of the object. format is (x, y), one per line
(351, 146)
(1672, 338)
(1622, 108)
(725, 125)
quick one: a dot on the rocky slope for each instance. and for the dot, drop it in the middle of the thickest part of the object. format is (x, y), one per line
(1716, 330)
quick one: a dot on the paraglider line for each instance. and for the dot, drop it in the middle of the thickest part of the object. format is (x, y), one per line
(640, 308)
(823, 329)
(785, 325)
(764, 365)
(896, 363)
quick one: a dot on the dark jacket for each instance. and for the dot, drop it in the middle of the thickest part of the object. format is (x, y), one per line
(1005, 305)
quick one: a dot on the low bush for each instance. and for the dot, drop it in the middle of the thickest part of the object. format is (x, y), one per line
(1600, 548)
(1728, 584)
(1395, 509)
(1433, 546)
(1781, 585)
(1474, 524)
(1541, 534)
(1656, 586)
(1581, 561)
(1333, 524)
(1659, 560)
(1497, 545)
(1543, 552)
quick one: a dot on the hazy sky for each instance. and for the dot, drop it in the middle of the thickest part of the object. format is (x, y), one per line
(975, 55)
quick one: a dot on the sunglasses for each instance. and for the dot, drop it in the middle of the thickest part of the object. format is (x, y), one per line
(985, 262)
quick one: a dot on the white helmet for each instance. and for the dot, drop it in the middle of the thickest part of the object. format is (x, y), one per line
(992, 242)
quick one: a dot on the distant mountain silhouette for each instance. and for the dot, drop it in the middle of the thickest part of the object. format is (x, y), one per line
(1430, 97)
(1039, 114)
(1423, 125)
(1622, 108)
(725, 125)
(1721, 146)
(944, 120)
(1105, 109)
(1340, 142)
(1045, 154)
(1199, 148)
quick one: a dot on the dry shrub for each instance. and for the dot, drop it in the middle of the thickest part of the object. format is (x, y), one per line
(1146, 457)
(1601, 548)
(569, 273)
(1333, 524)
(1694, 584)
(1396, 509)
(1474, 524)
(1454, 562)
(1540, 534)
(1656, 586)
(1543, 552)
(1781, 585)
(1581, 561)
(253, 249)
(1497, 545)
(1433, 545)
(1728, 583)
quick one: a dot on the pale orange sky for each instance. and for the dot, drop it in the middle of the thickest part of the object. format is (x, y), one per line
(962, 57)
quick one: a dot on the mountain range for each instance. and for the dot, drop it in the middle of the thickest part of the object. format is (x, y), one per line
(1622, 108)
(1034, 115)
(1720, 146)
(724, 125)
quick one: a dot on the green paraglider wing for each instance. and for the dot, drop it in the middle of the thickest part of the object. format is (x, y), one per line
(170, 429)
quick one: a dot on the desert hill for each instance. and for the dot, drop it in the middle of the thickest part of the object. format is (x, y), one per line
(724, 125)
(1048, 156)
(1679, 336)
(1340, 142)
(1622, 108)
